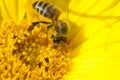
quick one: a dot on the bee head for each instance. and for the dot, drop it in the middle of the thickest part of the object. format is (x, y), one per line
(59, 40)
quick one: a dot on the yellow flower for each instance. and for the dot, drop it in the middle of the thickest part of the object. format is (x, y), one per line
(92, 51)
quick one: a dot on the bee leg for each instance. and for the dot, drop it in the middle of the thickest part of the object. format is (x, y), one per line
(48, 27)
(50, 24)
(31, 27)
(55, 46)
(44, 22)
(35, 23)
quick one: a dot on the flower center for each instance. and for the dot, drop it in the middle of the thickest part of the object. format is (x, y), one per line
(34, 50)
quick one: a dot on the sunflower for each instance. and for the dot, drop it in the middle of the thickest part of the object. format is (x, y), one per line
(27, 52)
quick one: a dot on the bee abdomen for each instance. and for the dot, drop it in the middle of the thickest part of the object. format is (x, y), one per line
(46, 9)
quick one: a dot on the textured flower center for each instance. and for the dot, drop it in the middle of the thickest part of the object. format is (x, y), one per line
(31, 55)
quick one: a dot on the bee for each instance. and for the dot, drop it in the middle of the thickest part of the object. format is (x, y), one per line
(46, 9)
(52, 12)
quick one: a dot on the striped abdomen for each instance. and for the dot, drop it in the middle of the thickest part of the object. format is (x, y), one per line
(47, 10)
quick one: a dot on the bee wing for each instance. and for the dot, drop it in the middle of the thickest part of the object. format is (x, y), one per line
(62, 5)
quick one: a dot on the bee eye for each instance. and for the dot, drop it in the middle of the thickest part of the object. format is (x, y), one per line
(56, 40)
(59, 40)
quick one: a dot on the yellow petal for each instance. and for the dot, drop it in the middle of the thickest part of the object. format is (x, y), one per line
(13, 10)
(98, 54)
(94, 37)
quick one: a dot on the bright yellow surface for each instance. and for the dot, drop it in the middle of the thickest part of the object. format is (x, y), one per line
(95, 37)
(99, 54)
(13, 9)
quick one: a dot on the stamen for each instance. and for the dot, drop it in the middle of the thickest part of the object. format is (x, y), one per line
(31, 54)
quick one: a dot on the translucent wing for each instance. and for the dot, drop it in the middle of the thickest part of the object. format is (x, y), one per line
(62, 5)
